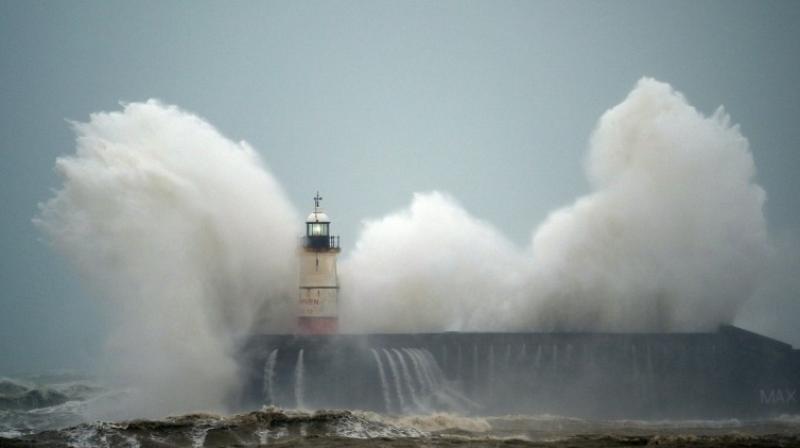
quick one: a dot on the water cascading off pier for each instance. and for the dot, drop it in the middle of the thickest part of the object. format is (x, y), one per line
(727, 373)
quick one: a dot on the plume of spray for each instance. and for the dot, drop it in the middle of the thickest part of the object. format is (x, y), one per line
(432, 267)
(187, 238)
(672, 238)
(191, 242)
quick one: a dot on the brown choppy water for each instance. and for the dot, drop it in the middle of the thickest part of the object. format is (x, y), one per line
(276, 427)
(57, 413)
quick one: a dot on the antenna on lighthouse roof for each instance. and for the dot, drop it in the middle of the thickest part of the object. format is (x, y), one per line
(317, 198)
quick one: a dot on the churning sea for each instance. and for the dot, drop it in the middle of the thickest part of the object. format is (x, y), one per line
(55, 410)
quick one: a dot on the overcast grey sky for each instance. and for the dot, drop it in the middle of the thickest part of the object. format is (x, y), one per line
(369, 102)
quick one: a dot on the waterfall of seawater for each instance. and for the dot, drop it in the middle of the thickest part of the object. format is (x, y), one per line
(436, 374)
(417, 379)
(298, 380)
(384, 384)
(269, 378)
(407, 377)
(396, 377)
(424, 387)
(411, 380)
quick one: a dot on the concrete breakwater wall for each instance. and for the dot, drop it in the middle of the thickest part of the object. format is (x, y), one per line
(728, 373)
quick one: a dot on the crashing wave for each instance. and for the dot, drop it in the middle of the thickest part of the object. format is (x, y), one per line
(438, 422)
(23, 395)
(27, 406)
(211, 430)
(354, 428)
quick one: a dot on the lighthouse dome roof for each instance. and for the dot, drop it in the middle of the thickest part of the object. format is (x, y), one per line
(318, 216)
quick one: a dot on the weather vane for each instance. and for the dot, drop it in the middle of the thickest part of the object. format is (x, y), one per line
(317, 198)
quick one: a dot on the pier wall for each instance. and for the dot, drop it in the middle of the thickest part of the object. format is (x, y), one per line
(728, 373)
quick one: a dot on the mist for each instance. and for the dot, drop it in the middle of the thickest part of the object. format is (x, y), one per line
(432, 267)
(671, 238)
(188, 242)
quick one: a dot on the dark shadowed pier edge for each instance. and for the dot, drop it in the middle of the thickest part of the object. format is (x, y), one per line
(722, 374)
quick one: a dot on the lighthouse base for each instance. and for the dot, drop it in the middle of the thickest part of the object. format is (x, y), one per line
(317, 325)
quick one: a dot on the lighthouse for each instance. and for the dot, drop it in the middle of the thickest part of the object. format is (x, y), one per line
(318, 296)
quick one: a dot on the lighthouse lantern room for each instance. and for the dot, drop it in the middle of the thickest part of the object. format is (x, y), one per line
(318, 298)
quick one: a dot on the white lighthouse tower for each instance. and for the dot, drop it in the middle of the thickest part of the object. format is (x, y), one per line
(318, 298)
